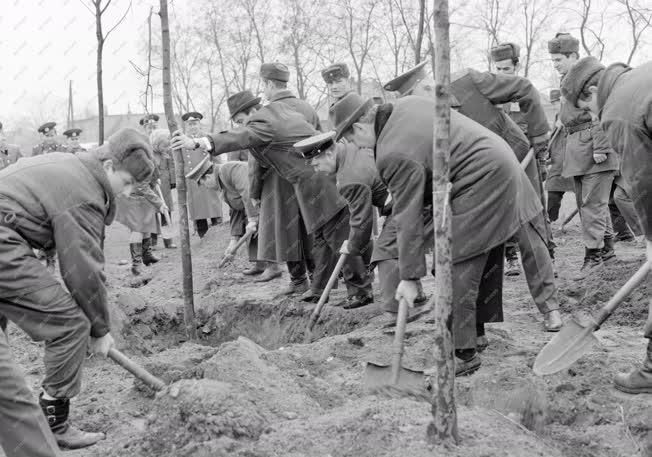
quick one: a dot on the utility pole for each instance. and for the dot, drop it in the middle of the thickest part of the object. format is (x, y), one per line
(70, 122)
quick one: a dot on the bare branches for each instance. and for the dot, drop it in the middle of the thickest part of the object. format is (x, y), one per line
(639, 20)
(536, 15)
(119, 21)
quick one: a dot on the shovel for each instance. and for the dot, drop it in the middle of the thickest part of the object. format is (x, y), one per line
(376, 376)
(324, 297)
(574, 340)
(229, 256)
(136, 370)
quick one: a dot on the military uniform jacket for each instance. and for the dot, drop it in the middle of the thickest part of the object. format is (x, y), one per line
(478, 94)
(270, 135)
(69, 214)
(359, 183)
(491, 197)
(584, 137)
(74, 149)
(9, 154)
(627, 122)
(233, 181)
(46, 148)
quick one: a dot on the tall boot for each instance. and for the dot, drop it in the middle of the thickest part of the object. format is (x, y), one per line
(67, 436)
(638, 381)
(154, 237)
(136, 250)
(592, 260)
(148, 257)
(608, 252)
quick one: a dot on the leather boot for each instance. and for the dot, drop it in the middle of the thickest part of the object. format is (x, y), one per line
(67, 436)
(148, 257)
(608, 252)
(467, 361)
(295, 288)
(136, 250)
(592, 261)
(169, 243)
(638, 381)
(552, 321)
(154, 238)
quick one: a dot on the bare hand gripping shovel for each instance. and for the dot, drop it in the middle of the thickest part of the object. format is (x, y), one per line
(574, 340)
(395, 374)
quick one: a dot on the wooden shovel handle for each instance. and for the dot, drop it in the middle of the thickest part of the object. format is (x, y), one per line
(527, 159)
(327, 290)
(631, 284)
(246, 237)
(135, 369)
(397, 347)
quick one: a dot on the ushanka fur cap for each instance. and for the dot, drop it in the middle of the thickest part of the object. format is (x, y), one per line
(563, 43)
(130, 151)
(505, 51)
(578, 76)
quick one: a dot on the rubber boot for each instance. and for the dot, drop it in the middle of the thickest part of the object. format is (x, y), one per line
(169, 243)
(638, 381)
(67, 436)
(148, 257)
(608, 252)
(154, 238)
(592, 261)
(136, 250)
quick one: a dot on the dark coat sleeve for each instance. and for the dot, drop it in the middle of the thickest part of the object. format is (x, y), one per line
(257, 132)
(601, 144)
(256, 177)
(78, 234)
(358, 197)
(406, 180)
(499, 88)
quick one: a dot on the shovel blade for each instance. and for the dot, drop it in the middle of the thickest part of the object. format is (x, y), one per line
(565, 348)
(381, 375)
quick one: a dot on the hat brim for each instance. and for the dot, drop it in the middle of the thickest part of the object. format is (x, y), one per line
(244, 106)
(352, 119)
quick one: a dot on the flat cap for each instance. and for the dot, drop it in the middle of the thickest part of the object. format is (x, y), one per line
(404, 84)
(505, 51)
(563, 43)
(45, 128)
(72, 133)
(201, 169)
(276, 71)
(334, 72)
(149, 119)
(555, 95)
(579, 74)
(192, 116)
(315, 145)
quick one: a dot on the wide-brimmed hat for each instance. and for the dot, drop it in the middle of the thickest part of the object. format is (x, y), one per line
(346, 111)
(241, 101)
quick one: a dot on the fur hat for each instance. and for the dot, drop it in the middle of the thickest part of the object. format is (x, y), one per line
(563, 43)
(130, 151)
(579, 74)
(276, 71)
(505, 51)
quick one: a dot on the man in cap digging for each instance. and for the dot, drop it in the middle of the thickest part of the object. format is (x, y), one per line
(73, 145)
(49, 144)
(269, 134)
(590, 161)
(476, 95)
(232, 180)
(58, 201)
(620, 96)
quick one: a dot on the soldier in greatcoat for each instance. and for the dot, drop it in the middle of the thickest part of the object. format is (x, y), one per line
(50, 143)
(72, 143)
(204, 204)
(269, 135)
(9, 153)
(491, 198)
(620, 96)
(590, 161)
(58, 201)
(476, 95)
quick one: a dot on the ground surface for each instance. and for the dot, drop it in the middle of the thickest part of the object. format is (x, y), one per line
(250, 388)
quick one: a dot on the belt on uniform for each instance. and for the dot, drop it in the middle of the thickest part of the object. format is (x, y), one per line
(578, 127)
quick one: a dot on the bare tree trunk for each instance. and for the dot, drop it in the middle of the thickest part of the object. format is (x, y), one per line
(100, 88)
(186, 260)
(443, 427)
(148, 85)
(419, 41)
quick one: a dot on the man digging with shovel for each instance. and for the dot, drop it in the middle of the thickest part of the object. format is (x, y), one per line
(620, 97)
(490, 197)
(61, 202)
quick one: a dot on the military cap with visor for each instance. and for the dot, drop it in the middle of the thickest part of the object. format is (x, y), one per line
(334, 72)
(48, 126)
(192, 116)
(149, 119)
(405, 83)
(315, 145)
(72, 133)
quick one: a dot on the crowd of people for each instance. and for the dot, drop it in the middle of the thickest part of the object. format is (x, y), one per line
(306, 191)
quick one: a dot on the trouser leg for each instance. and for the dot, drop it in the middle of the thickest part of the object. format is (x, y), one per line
(325, 260)
(24, 431)
(51, 315)
(388, 276)
(511, 252)
(202, 227)
(537, 265)
(466, 282)
(626, 206)
(592, 194)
